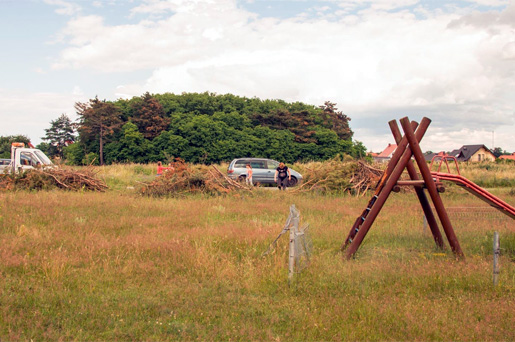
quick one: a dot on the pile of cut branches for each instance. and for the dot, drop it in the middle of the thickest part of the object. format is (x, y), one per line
(182, 179)
(365, 177)
(53, 178)
(337, 175)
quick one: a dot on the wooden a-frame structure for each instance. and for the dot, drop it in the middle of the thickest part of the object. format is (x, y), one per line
(407, 147)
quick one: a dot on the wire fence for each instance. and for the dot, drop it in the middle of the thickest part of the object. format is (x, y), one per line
(303, 246)
(461, 216)
(300, 244)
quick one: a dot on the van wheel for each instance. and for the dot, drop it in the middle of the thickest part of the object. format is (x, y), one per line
(242, 178)
(293, 181)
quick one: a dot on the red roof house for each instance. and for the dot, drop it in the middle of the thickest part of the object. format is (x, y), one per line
(509, 157)
(386, 154)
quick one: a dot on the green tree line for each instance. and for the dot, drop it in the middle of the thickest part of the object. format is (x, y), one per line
(6, 141)
(202, 128)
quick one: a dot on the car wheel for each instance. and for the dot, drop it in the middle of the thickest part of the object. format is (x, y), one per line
(293, 181)
(242, 178)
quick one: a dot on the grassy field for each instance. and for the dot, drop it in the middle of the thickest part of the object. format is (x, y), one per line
(117, 266)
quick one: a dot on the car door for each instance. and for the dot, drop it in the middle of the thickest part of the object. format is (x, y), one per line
(27, 161)
(258, 171)
(271, 166)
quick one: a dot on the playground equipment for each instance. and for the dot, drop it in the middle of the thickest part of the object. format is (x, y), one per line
(466, 184)
(408, 147)
(443, 158)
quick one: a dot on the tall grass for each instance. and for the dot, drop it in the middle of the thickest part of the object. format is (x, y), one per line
(490, 175)
(116, 266)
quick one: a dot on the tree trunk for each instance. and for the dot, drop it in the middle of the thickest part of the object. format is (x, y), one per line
(101, 142)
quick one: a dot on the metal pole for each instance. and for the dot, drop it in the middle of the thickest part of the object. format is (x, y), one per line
(497, 252)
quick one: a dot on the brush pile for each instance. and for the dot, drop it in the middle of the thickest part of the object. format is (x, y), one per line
(182, 179)
(50, 178)
(365, 177)
(337, 175)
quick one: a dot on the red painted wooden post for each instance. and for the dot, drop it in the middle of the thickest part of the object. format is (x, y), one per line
(420, 192)
(397, 154)
(431, 186)
(400, 164)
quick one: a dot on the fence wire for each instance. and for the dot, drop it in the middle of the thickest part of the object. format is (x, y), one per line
(463, 216)
(301, 240)
(303, 247)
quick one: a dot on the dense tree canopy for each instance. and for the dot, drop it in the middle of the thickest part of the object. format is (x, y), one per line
(5, 144)
(60, 134)
(148, 115)
(99, 122)
(209, 128)
(498, 151)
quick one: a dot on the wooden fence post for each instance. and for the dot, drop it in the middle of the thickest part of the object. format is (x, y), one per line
(294, 227)
(497, 252)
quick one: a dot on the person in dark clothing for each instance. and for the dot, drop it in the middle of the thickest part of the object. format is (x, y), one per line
(282, 176)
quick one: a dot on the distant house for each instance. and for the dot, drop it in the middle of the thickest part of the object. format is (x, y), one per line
(473, 153)
(508, 157)
(386, 155)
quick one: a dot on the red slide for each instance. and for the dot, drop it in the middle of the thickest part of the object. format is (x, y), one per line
(477, 191)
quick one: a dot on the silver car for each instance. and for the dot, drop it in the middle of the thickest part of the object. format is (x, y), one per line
(263, 170)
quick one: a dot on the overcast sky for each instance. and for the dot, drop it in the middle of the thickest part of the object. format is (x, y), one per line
(452, 61)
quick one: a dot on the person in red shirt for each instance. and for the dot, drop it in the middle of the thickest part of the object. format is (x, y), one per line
(160, 168)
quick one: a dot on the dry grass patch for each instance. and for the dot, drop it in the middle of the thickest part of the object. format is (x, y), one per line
(111, 266)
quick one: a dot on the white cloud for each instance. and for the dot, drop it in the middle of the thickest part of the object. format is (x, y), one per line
(77, 91)
(508, 51)
(455, 67)
(381, 5)
(492, 3)
(40, 70)
(29, 114)
(156, 6)
(65, 7)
